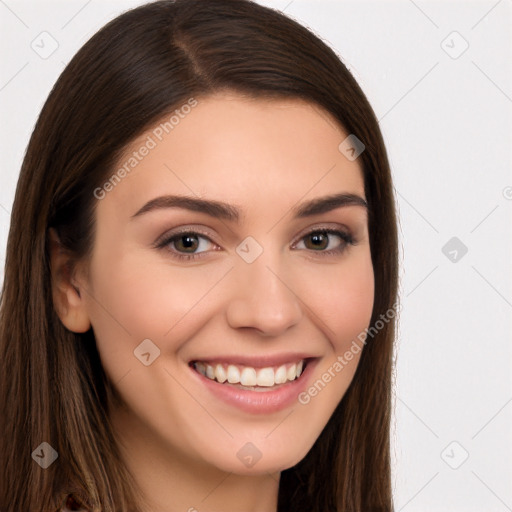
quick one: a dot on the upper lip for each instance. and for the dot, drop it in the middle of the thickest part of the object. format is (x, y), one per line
(262, 361)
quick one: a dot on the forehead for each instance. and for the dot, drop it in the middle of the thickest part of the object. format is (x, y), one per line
(236, 149)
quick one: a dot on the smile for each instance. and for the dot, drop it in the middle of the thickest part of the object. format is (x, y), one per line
(254, 389)
(249, 376)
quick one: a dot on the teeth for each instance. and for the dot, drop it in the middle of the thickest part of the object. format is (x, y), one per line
(201, 369)
(210, 372)
(299, 368)
(280, 376)
(233, 374)
(220, 374)
(248, 376)
(292, 372)
(265, 377)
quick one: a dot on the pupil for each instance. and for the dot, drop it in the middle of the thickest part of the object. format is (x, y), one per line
(317, 239)
(190, 241)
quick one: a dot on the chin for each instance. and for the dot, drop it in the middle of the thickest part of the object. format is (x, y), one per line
(249, 460)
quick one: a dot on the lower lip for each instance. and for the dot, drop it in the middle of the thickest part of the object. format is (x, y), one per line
(259, 402)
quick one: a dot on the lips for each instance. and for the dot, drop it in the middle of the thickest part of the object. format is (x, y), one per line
(255, 399)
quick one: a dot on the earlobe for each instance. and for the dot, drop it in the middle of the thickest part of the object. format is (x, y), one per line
(68, 300)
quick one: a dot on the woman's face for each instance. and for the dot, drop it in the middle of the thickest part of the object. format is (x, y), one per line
(239, 277)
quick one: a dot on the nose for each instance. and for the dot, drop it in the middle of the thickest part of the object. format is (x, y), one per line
(263, 299)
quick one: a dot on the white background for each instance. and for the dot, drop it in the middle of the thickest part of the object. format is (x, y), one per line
(447, 125)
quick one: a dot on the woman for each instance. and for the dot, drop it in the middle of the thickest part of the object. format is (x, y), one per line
(201, 276)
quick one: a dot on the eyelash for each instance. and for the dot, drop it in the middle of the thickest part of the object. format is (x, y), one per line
(346, 237)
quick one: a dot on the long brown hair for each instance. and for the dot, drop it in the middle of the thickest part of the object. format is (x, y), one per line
(138, 68)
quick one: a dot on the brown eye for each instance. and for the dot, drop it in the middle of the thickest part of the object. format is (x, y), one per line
(186, 245)
(319, 240)
(187, 242)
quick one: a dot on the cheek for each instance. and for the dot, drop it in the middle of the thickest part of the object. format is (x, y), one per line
(342, 298)
(136, 298)
(354, 307)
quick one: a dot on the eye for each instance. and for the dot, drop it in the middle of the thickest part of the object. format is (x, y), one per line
(184, 245)
(320, 239)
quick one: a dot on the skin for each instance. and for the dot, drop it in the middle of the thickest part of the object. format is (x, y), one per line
(264, 157)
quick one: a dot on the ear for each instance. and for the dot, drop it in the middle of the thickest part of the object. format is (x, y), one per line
(67, 298)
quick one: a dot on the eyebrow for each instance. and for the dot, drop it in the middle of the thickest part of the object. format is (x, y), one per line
(231, 213)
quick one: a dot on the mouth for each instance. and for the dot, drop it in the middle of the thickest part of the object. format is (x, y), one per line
(251, 378)
(254, 384)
